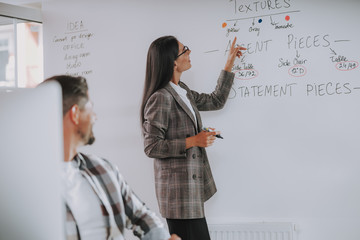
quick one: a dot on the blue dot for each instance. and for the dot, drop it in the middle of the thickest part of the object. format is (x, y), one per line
(260, 21)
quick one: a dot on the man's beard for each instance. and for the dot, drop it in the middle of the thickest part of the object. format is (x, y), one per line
(88, 139)
(91, 139)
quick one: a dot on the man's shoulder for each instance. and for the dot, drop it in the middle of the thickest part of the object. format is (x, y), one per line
(91, 157)
(93, 160)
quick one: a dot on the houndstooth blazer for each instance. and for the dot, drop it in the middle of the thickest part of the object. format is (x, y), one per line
(183, 178)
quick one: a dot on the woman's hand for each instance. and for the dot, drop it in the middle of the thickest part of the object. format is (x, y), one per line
(202, 139)
(233, 52)
(174, 237)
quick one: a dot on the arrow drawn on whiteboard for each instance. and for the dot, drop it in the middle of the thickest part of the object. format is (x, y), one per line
(297, 54)
(341, 40)
(333, 52)
(211, 51)
(253, 23)
(272, 22)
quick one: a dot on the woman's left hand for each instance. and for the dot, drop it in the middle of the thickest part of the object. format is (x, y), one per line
(233, 52)
(174, 237)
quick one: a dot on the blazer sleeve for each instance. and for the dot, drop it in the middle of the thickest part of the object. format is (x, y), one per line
(217, 99)
(157, 113)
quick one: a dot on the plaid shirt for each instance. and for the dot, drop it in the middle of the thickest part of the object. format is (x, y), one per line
(120, 206)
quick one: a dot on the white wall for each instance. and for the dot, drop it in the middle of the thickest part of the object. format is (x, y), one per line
(283, 158)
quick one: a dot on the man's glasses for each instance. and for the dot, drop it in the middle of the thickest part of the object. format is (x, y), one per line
(184, 51)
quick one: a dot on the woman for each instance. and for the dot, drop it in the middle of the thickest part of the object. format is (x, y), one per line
(173, 135)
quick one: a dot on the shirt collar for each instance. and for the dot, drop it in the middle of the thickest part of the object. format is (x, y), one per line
(178, 89)
(79, 160)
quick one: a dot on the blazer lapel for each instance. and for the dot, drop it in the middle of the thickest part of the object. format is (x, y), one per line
(193, 104)
(182, 104)
(198, 117)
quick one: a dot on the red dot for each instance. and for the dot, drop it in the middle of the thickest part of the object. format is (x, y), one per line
(287, 18)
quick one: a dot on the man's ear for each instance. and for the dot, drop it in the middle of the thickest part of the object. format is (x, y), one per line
(75, 114)
(175, 65)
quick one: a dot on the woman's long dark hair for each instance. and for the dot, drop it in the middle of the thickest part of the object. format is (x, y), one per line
(159, 67)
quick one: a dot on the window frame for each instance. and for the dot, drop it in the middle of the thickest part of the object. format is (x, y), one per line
(19, 14)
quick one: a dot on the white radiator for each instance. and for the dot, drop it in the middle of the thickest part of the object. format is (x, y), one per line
(252, 231)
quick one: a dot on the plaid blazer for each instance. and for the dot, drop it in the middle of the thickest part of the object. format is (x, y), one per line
(183, 178)
(120, 206)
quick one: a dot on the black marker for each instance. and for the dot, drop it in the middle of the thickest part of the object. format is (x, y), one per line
(217, 135)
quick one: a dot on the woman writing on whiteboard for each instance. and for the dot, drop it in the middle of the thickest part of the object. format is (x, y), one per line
(173, 135)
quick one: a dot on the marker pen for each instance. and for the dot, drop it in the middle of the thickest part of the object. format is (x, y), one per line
(217, 135)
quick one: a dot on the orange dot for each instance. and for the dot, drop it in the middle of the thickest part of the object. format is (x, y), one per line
(224, 25)
(287, 18)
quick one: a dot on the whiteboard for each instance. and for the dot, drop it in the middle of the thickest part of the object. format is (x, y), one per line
(290, 127)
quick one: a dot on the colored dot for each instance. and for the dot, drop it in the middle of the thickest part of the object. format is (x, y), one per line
(260, 21)
(224, 25)
(287, 18)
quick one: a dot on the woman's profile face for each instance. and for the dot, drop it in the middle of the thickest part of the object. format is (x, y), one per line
(183, 62)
